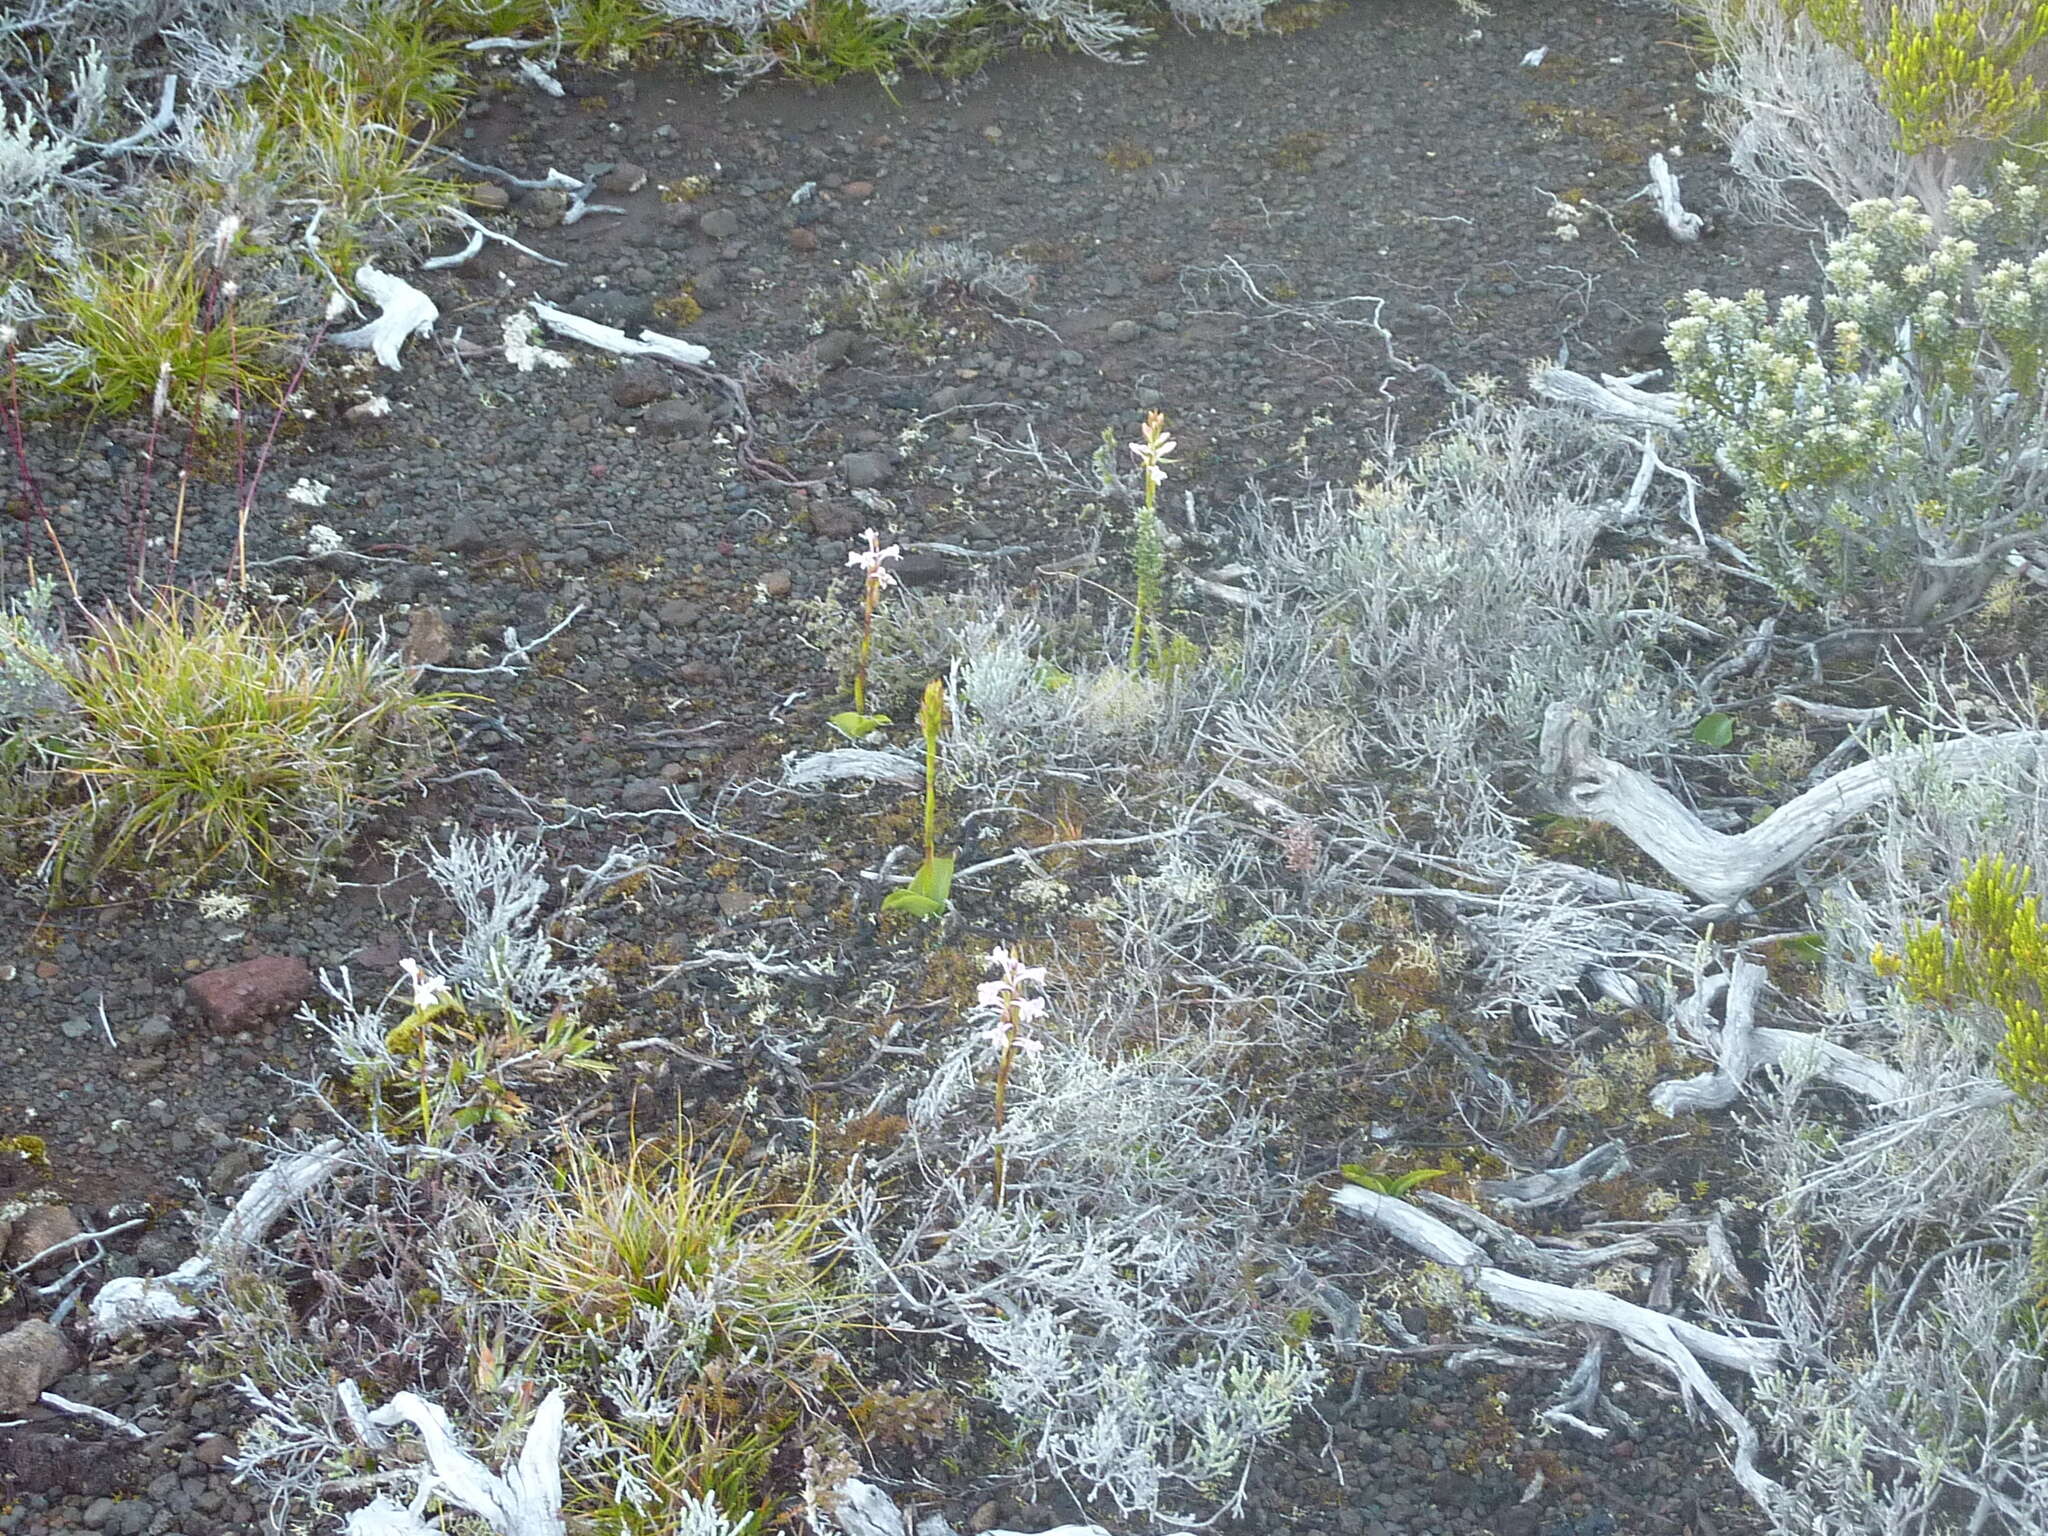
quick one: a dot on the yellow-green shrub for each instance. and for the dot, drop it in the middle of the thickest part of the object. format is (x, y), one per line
(1991, 950)
(1958, 74)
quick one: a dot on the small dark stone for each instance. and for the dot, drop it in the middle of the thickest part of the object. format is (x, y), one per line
(675, 418)
(708, 288)
(611, 306)
(834, 519)
(464, 535)
(640, 383)
(644, 794)
(866, 470)
(833, 348)
(916, 570)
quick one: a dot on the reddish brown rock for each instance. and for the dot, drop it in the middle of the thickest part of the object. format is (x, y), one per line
(241, 996)
(38, 1228)
(427, 640)
(858, 190)
(802, 240)
(32, 1356)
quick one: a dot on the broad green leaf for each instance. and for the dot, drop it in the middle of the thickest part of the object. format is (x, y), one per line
(928, 890)
(1811, 947)
(853, 725)
(1406, 1184)
(1715, 730)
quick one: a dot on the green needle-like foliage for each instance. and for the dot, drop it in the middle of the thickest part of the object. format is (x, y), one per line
(1991, 950)
(180, 743)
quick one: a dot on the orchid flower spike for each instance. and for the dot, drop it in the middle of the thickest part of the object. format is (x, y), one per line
(1155, 449)
(224, 234)
(427, 991)
(874, 558)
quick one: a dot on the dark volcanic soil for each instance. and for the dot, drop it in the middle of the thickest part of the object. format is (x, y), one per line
(1213, 234)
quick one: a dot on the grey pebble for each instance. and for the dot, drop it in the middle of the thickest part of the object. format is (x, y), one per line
(866, 470)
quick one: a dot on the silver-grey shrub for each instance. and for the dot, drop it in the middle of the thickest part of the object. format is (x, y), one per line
(1904, 1242)
(1423, 621)
(1132, 1290)
(1891, 454)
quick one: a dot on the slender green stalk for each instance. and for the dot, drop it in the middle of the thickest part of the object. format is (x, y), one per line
(1148, 554)
(932, 718)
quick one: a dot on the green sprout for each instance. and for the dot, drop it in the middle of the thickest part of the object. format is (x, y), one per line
(873, 561)
(926, 894)
(1395, 1186)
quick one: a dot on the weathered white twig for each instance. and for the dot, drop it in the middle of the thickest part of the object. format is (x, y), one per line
(1615, 399)
(1721, 866)
(35, 1260)
(478, 234)
(539, 78)
(525, 1501)
(1685, 226)
(1549, 1186)
(1671, 1342)
(406, 313)
(609, 338)
(130, 1303)
(864, 765)
(97, 1415)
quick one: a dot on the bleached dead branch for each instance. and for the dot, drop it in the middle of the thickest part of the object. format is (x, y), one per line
(1739, 1048)
(407, 312)
(478, 234)
(1552, 1186)
(860, 765)
(1685, 226)
(609, 338)
(525, 1501)
(1671, 1342)
(1721, 866)
(1609, 398)
(131, 1303)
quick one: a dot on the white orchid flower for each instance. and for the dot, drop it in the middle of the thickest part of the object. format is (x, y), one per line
(427, 991)
(874, 558)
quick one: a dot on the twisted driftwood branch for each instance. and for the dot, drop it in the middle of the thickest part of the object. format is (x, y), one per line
(1678, 1346)
(1722, 866)
(1740, 1047)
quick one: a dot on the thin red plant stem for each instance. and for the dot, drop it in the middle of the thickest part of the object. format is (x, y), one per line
(30, 490)
(209, 316)
(255, 479)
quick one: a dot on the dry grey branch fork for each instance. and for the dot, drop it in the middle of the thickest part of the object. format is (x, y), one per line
(1739, 1048)
(1678, 1346)
(1723, 866)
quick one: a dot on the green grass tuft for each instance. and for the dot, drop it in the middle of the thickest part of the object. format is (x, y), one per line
(179, 744)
